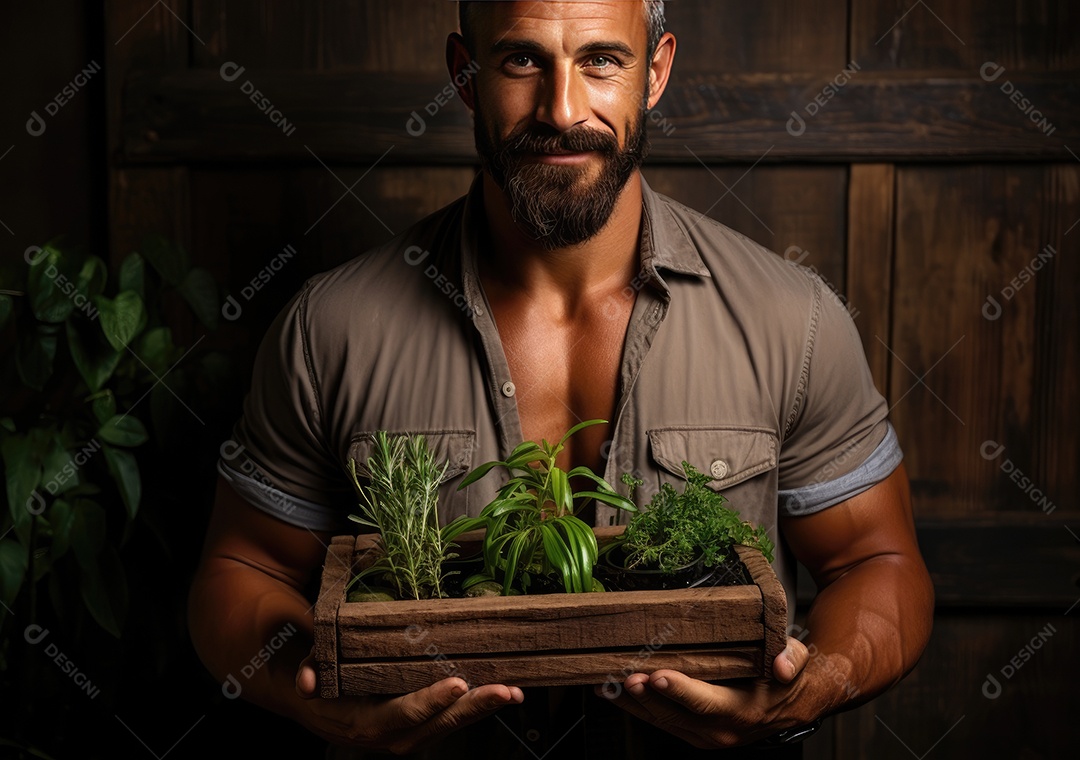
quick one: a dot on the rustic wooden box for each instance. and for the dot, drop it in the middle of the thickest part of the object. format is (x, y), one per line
(715, 633)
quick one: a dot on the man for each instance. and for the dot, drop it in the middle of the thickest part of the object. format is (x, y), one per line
(577, 293)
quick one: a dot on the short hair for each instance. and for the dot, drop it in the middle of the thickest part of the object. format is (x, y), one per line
(654, 23)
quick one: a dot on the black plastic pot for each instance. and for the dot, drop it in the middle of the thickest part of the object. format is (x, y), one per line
(617, 577)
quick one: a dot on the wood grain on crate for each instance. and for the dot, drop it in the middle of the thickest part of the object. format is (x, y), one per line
(715, 633)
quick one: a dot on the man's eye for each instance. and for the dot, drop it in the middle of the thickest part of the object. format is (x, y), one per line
(520, 61)
(602, 62)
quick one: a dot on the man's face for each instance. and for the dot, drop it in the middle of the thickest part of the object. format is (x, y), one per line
(560, 110)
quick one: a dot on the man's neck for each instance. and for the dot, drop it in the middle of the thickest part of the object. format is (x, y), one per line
(513, 262)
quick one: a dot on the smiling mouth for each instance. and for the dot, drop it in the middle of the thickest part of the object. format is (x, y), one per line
(561, 157)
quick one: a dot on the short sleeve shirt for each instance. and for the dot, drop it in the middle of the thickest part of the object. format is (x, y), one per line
(735, 360)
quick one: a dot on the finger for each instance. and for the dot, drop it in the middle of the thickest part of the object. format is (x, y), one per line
(411, 710)
(625, 701)
(695, 696)
(306, 682)
(475, 705)
(791, 661)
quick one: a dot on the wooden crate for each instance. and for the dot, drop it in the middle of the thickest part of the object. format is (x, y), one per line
(714, 634)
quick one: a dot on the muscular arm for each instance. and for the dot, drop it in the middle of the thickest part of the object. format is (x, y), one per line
(867, 627)
(253, 582)
(871, 619)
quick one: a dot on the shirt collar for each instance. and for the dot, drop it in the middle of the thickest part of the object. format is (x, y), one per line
(665, 242)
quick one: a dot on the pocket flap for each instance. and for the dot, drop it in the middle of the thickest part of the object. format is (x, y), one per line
(453, 446)
(728, 455)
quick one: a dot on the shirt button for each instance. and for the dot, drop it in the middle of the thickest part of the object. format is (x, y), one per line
(508, 389)
(719, 469)
(532, 735)
(478, 311)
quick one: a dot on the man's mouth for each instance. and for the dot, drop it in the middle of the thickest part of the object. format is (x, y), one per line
(560, 157)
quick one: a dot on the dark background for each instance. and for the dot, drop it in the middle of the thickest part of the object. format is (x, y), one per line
(919, 190)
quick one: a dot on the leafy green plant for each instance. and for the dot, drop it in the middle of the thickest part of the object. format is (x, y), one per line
(87, 352)
(532, 527)
(675, 529)
(401, 503)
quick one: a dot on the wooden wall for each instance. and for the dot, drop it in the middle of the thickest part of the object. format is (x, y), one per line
(919, 190)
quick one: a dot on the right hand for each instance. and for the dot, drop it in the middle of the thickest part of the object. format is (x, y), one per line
(398, 724)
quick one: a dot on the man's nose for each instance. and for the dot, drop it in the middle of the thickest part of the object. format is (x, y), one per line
(563, 102)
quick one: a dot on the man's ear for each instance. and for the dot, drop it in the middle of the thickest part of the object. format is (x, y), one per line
(660, 68)
(459, 63)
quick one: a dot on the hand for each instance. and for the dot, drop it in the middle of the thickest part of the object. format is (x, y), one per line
(398, 724)
(712, 716)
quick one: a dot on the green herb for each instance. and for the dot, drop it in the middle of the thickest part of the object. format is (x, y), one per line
(401, 503)
(532, 524)
(675, 529)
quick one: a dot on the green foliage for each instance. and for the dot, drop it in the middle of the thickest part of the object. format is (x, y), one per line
(675, 529)
(87, 351)
(401, 503)
(532, 524)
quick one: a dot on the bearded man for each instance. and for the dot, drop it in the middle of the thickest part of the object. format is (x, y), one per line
(562, 288)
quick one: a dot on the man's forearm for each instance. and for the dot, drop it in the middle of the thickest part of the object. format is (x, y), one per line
(251, 630)
(866, 631)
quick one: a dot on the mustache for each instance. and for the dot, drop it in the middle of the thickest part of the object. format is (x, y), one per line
(577, 140)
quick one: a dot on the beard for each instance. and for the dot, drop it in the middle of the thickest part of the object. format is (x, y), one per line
(559, 206)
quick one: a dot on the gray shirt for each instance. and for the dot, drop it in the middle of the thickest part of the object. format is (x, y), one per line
(741, 363)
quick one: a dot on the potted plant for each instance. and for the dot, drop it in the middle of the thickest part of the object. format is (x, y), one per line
(401, 504)
(681, 538)
(534, 540)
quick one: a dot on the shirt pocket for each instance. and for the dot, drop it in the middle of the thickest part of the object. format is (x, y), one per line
(728, 455)
(456, 447)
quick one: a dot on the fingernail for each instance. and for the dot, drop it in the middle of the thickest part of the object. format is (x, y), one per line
(661, 683)
(457, 691)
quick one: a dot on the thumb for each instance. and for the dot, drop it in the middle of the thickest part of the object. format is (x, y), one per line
(791, 661)
(306, 682)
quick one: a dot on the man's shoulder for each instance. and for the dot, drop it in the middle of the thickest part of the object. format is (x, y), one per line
(390, 269)
(737, 263)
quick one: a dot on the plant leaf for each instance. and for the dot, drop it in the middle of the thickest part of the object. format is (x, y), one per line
(62, 518)
(133, 275)
(92, 278)
(123, 430)
(611, 499)
(558, 554)
(95, 360)
(14, 560)
(104, 406)
(7, 307)
(478, 473)
(121, 318)
(124, 469)
(22, 468)
(169, 259)
(87, 532)
(51, 273)
(576, 428)
(201, 292)
(34, 360)
(105, 591)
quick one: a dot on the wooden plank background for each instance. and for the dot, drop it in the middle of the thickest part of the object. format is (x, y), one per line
(919, 191)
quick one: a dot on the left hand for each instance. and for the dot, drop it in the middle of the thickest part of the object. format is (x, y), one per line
(712, 716)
